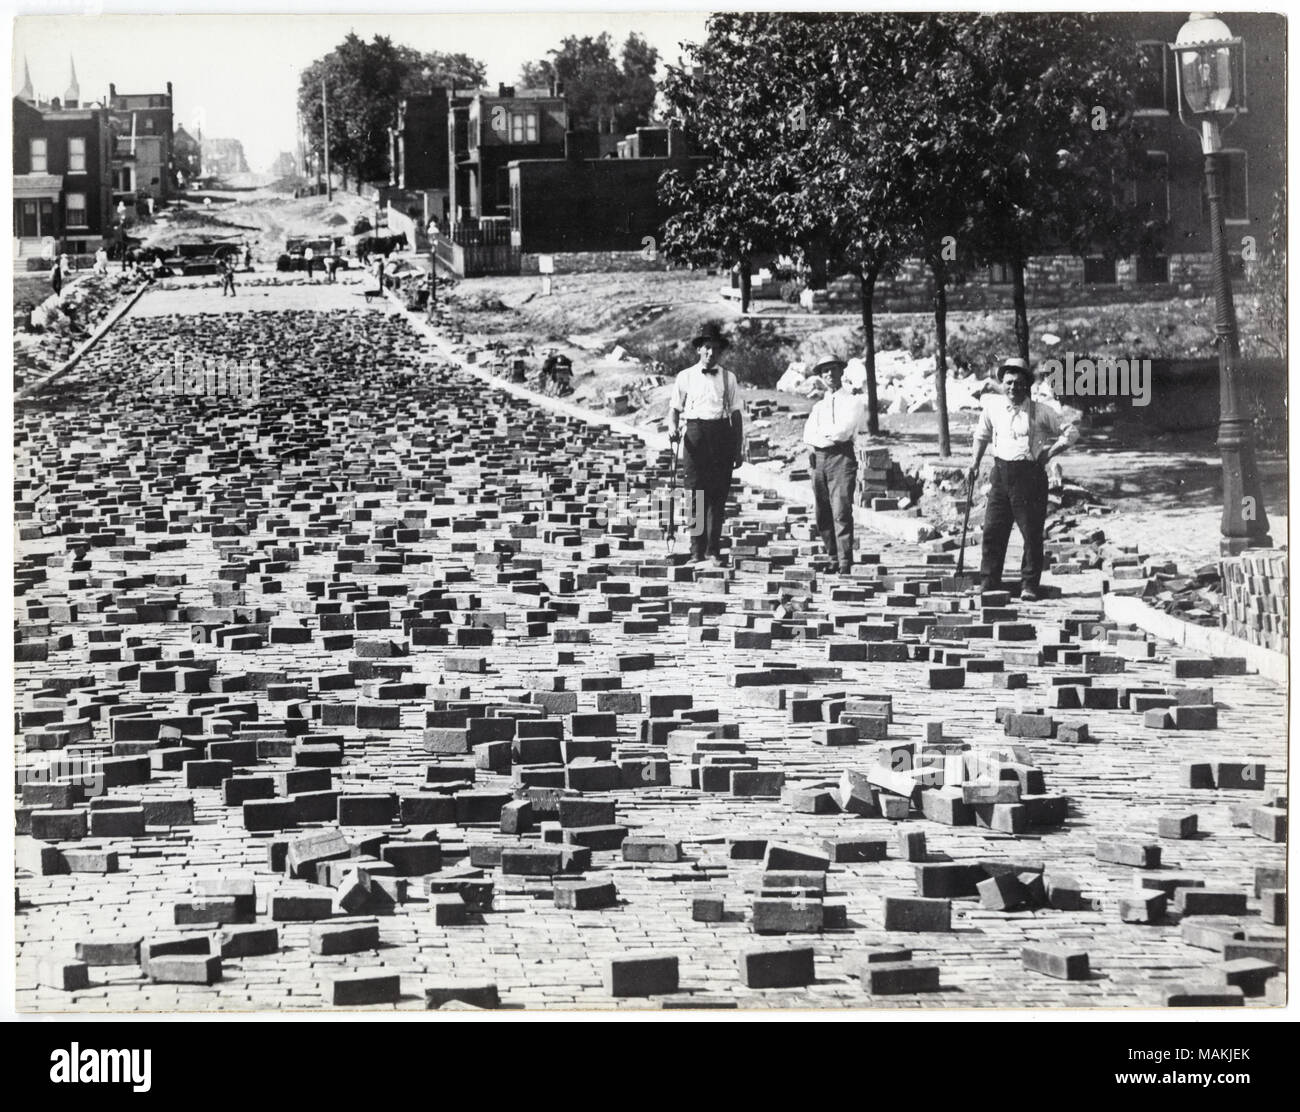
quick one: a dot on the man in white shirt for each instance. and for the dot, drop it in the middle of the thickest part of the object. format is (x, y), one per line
(831, 431)
(708, 399)
(1025, 435)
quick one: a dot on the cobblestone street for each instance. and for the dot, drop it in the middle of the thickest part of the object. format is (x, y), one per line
(373, 629)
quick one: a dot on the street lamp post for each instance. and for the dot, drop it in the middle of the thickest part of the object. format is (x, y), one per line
(1207, 56)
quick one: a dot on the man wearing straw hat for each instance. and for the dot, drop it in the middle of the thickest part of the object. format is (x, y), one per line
(707, 397)
(831, 432)
(1025, 435)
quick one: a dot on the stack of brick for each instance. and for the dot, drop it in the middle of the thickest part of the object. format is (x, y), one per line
(882, 483)
(1256, 587)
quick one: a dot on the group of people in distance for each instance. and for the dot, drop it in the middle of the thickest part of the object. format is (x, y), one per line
(705, 424)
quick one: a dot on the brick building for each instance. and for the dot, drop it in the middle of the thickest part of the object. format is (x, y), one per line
(143, 140)
(62, 183)
(418, 153)
(187, 156)
(486, 133)
(580, 203)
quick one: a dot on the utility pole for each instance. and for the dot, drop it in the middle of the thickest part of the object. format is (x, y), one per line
(325, 119)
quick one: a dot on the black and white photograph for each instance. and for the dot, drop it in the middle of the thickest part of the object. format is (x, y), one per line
(614, 512)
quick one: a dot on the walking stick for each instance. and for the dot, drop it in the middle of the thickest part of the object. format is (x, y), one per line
(670, 531)
(965, 523)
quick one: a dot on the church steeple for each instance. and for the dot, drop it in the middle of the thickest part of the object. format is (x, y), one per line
(27, 93)
(72, 98)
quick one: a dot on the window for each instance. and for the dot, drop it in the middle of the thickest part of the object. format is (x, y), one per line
(40, 162)
(1234, 185)
(76, 156)
(1151, 84)
(1098, 270)
(75, 205)
(1000, 274)
(523, 127)
(148, 123)
(1152, 187)
(1152, 268)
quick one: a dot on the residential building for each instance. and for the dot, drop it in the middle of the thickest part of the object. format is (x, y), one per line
(583, 203)
(417, 148)
(486, 133)
(187, 156)
(143, 144)
(223, 157)
(62, 184)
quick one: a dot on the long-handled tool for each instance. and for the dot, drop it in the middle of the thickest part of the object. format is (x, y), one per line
(965, 524)
(670, 530)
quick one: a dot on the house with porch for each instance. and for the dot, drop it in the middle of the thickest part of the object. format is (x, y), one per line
(62, 185)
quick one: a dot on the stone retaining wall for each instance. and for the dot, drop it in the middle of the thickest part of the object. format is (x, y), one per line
(588, 262)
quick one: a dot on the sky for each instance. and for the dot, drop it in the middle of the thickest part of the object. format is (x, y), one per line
(236, 76)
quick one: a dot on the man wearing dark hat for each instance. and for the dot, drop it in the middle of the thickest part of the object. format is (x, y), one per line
(1025, 435)
(707, 397)
(831, 431)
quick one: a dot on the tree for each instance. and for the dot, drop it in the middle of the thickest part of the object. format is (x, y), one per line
(743, 202)
(1060, 142)
(596, 87)
(436, 70)
(363, 84)
(853, 217)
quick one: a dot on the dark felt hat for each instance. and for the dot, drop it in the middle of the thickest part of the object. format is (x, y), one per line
(711, 333)
(1018, 366)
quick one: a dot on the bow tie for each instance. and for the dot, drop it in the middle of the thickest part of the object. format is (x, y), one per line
(709, 370)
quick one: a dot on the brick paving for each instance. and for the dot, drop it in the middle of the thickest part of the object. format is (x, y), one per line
(370, 535)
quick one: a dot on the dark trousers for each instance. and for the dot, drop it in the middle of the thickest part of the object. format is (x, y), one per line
(1018, 494)
(708, 453)
(835, 476)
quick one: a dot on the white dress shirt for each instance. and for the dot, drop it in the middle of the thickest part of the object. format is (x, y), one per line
(704, 397)
(1022, 432)
(837, 418)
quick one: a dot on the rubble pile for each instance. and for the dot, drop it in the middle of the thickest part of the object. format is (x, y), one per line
(55, 327)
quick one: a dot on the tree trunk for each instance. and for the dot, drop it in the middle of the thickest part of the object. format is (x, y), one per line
(941, 352)
(745, 284)
(1018, 301)
(867, 293)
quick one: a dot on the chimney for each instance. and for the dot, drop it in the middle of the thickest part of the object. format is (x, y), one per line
(169, 92)
(505, 91)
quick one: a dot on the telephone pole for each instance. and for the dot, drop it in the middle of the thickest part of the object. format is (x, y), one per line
(325, 118)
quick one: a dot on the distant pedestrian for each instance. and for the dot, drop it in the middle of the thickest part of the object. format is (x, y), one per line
(1025, 435)
(228, 275)
(379, 269)
(309, 257)
(56, 275)
(707, 397)
(332, 262)
(248, 257)
(101, 260)
(831, 432)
